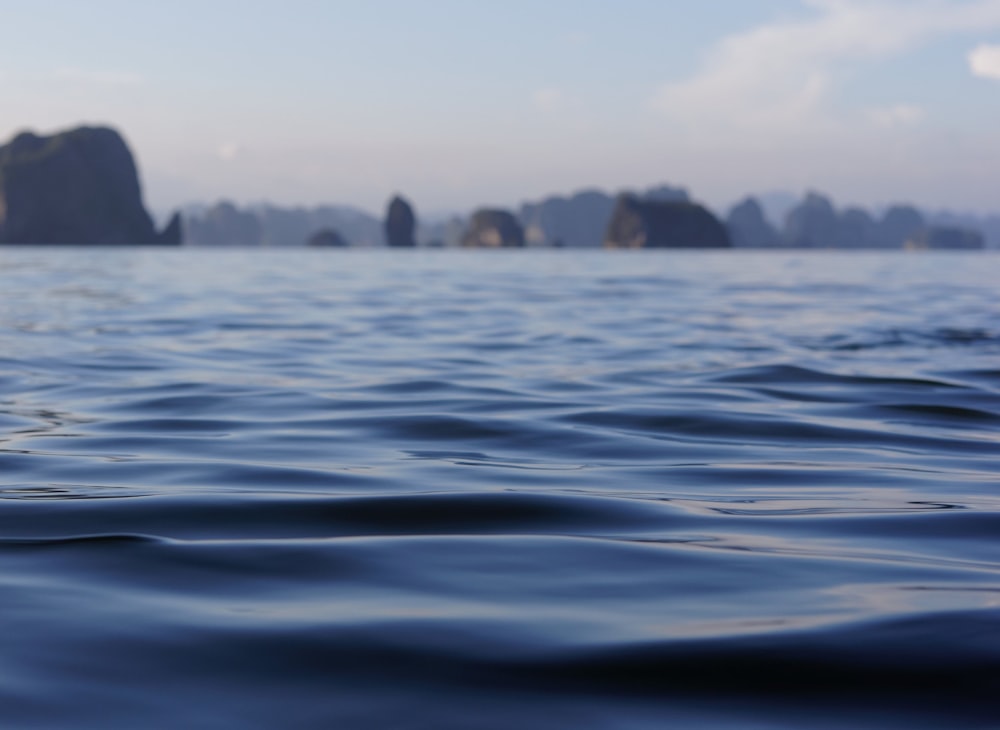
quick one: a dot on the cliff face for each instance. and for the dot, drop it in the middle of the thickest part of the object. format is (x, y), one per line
(493, 229)
(663, 224)
(400, 223)
(75, 187)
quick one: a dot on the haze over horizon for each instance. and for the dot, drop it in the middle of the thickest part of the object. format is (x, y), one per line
(457, 104)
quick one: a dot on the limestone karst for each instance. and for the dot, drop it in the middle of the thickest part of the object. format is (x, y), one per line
(327, 238)
(638, 223)
(400, 224)
(493, 228)
(80, 186)
(749, 228)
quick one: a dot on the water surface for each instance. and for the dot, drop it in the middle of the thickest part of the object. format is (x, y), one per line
(317, 489)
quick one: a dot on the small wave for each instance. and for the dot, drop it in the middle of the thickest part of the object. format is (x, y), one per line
(597, 491)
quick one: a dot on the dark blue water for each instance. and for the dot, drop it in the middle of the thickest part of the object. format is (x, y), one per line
(487, 491)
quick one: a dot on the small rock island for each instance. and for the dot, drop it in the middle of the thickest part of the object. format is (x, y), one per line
(493, 228)
(400, 223)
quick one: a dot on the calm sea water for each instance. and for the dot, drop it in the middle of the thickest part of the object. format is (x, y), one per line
(468, 490)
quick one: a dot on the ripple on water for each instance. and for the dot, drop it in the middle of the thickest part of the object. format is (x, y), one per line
(455, 491)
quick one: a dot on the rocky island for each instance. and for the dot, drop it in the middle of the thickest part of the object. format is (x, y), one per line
(75, 187)
(638, 223)
(400, 223)
(493, 228)
(81, 186)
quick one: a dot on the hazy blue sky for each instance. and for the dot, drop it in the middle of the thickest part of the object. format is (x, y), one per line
(463, 102)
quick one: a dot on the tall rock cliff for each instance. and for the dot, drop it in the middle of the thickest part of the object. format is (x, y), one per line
(75, 187)
(400, 223)
(639, 223)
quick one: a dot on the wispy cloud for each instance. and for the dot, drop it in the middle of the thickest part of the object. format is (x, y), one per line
(782, 75)
(984, 61)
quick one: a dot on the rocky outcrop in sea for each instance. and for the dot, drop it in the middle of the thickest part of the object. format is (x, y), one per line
(947, 238)
(327, 238)
(639, 223)
(80, 186)
(400, 224)
(493, 228)
(581, 219)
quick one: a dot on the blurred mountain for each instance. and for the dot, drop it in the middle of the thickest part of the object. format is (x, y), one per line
(581, 220)
(644, 223)
(400, 223)
(493, 228)
(225, 224)
(749, 227)
(777, 204)
(80, 186)
(326, 238)
(988, 225)
(947, 237)
(815, 222)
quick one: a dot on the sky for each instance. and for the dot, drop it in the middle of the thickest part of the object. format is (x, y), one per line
(460, 103)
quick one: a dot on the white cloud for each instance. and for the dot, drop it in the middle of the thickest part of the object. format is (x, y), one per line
(897, 115)
(984, 61)
(781, 76)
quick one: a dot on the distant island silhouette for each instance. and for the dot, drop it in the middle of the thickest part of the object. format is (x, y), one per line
(81, 186)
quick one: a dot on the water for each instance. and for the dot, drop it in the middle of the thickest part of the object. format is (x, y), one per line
(462, 490)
